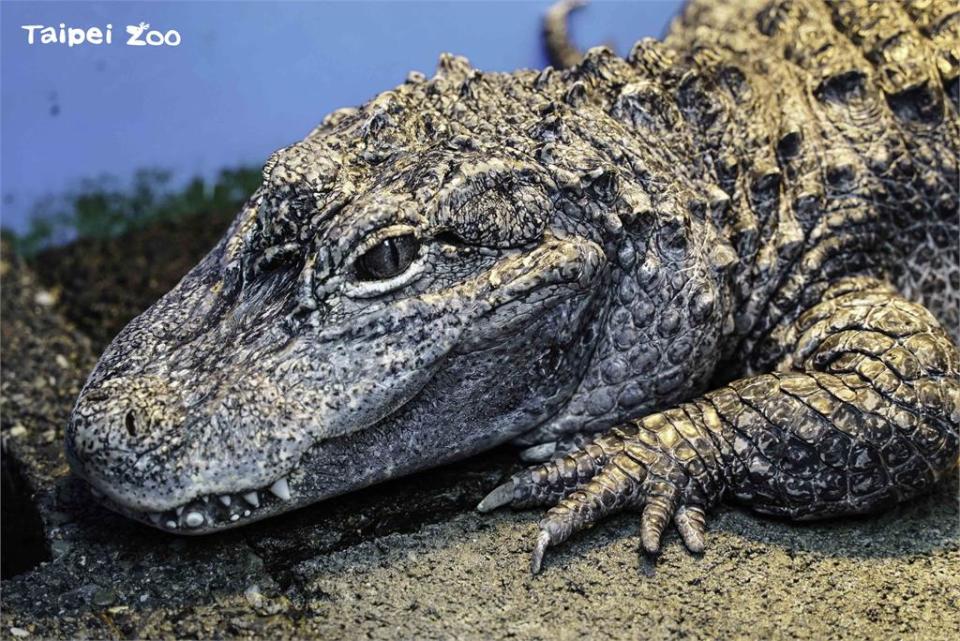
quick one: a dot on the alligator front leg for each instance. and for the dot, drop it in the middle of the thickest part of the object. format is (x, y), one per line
(862, 413)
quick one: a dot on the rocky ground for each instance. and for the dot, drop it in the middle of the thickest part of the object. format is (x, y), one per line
(408, 559)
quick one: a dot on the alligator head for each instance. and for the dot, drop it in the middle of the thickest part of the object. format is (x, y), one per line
(417, 280)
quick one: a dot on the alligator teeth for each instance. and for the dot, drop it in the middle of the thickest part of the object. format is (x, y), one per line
(155, 517)
(225, 500)
(252, 499)
(281, 490)
(179, 510)
(172, 525)
(234, 517)
(194, 519)
(246, 512)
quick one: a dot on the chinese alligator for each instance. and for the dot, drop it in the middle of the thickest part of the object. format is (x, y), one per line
(724, 267)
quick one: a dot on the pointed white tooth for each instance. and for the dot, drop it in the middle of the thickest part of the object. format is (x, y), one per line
(225, 500)
(234, 517)
(194, 519)
(246, 512)
(206, 499)
(252, 499)
(155, 517)
(281, 490)
(179, 510)
(172, 525)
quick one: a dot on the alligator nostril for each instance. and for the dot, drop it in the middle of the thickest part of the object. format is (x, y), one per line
(131, 424)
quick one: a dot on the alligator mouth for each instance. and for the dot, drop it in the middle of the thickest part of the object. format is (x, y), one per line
(211, 512)
(215, 512)
(205, 512)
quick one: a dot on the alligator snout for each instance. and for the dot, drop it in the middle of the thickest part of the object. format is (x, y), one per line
(124, 414)
(116, 424)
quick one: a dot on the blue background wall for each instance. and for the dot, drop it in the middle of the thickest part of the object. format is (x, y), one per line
(248, 77)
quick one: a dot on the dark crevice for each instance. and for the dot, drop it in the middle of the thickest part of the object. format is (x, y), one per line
(23, 546)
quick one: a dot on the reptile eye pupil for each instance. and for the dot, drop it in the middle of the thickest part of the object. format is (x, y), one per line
(388, 258)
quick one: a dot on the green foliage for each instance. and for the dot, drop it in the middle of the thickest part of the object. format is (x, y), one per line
(103, 208)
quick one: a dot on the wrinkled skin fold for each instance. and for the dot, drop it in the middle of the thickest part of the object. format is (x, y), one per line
(722, 268)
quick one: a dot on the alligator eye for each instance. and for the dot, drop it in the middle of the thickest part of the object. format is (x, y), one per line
(388, 258)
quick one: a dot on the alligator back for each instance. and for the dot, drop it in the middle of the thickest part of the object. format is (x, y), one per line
(833, 125)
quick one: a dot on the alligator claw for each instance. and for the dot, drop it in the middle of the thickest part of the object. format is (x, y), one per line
(536, 560)
(691, 523)
(538, 453)
(656, 515)
(500, 496)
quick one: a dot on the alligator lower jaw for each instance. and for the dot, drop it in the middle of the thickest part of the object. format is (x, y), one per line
(213, 512)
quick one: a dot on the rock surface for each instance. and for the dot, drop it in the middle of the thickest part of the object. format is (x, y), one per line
(410, 559)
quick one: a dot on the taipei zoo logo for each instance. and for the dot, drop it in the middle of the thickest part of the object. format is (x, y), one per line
(137, 35)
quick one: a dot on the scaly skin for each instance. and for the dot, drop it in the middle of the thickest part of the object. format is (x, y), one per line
(732, 255)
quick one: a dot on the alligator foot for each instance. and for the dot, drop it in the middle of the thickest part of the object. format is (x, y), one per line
(616, 472)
